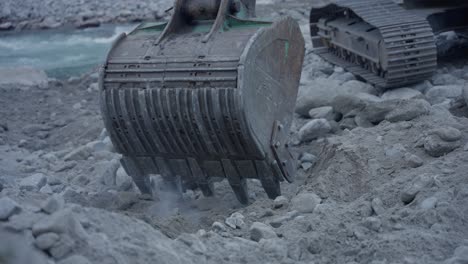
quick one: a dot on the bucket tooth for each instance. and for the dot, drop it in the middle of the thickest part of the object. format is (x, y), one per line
(270, 183)
(237, 182)
(201, 97)
(141, 180)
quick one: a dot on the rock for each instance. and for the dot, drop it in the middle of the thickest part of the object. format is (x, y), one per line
(63, 247)
(77, 106)
(465, 92)
(324, 112)
(320, 93)
(217, 226)
(23, 78)
(423, 86)
(260, 231)
(8, 207)
(53, 204)
(236, 220)
(80, 153)
(413, 160)
(306, 165)
(377, 206)
(342, 77)
(46, 240)
(307, 157)
(402, 94)
(408, 110)
(372, 223)
(277, 222)
(429, 203)
(60, 222)
(439, 94)
(122, 180)
(88, 23)
(449, 134)
(437, 147)
(24, 220)
(345, 103)
(305, 202)
(444, 79)
(460, 256)
(421, 182)
(46, 189)
(33, 183)
(6, 26)
(314, 129)
(108, 175)
(280, 202)
(348, 123)
(75, 259)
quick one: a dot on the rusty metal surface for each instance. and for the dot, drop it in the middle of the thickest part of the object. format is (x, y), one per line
(194, 110)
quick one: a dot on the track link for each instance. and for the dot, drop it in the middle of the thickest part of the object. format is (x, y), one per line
(408, 41)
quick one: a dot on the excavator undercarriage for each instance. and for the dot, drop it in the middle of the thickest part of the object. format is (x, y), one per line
(385, 43)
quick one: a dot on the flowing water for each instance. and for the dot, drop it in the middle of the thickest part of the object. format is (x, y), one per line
(61, 53)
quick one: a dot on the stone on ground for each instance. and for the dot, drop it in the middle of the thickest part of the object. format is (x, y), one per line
(260, 231)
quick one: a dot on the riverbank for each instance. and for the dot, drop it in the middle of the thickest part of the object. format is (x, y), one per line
(19, 15)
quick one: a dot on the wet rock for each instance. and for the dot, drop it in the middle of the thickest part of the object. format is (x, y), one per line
(33, 183)
(236, 220)
(260, 231)
(46, 241)
(314, 129)
(325, 112)
(413, 161)
(53, 204)
(6, 26)
(305, 202)
(377, 206)
(8, 207)
(80, 153)
(402, 94)
(438, 94)
(408, 111)
(280, 202)
(429, 203)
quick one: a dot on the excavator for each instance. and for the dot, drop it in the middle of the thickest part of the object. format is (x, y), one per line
(388, 43)
(208, 95)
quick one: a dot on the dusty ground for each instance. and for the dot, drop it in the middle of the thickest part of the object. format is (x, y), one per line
(382, 180)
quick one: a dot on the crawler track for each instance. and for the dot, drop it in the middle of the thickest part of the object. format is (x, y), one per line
(408, 42)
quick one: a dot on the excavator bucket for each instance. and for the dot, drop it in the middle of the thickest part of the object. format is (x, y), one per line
(208, 95)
